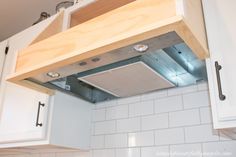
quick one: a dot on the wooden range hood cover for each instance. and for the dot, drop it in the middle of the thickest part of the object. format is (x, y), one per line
(132, 22)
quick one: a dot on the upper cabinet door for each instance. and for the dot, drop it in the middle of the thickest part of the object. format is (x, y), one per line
(3, 46)
(220, 25)
(21, 108)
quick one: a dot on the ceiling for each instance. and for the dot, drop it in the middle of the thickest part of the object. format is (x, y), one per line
(17, 15)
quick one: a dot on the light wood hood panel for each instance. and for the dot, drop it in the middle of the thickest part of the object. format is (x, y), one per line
(131, 23)
(111, 27)
(192, 13)
(54, 28)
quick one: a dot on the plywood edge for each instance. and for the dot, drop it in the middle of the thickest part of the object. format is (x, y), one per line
(192, 13)
(53, 28)
(34, 86)
(190, 39)
(28, 84)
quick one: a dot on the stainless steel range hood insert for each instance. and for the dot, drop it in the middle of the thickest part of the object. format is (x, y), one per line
(166, 63)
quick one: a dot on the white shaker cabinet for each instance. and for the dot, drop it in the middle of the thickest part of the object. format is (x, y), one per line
(221, 67)
(22, 109)
(33, 119)
(18, 104)
(65, 125)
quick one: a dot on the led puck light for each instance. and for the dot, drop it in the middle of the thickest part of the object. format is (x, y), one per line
(140, 48)
(53, 74)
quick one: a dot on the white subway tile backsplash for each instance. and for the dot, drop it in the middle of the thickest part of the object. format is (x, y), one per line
(117, 112)
(141, 139)
(184, 118)
(98, 115)
(141, 108)
(128, 125)
(92, 129)
(155, 122)
(128, 152)
(104, 153)
(195, 100)
(202, 86)
(168, 104)
(106, 127)
(162, 151)
(97, 142)
(100, 105)
(182, 90)
(82, 154)
(169, 136)
(223, 148)
(166, 123)
(116, 141)
(205, 114)
(186, 150)
(106, 104)
(128, 100)
(154, 95)
(148, 96)
(202, 133)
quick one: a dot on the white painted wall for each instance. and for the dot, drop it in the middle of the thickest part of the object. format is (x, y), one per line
(169, 121)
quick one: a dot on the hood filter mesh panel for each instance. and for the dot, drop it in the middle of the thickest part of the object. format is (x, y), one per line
(128, 80)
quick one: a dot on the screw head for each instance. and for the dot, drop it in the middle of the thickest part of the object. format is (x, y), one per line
(96, 59)
(83, 63)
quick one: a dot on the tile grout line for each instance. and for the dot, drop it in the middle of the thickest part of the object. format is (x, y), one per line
(177, 127)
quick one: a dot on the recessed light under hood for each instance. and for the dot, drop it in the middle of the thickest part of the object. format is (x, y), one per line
(166, 62)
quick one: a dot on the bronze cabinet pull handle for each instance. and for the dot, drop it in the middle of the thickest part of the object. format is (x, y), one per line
(218, 67)
(37, 120)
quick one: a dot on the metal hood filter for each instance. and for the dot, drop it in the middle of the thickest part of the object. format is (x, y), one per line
(145, 73)
(167, 63)
(127, 80)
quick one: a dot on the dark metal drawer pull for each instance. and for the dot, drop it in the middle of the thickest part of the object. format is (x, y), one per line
(37, 120)
(218, 67)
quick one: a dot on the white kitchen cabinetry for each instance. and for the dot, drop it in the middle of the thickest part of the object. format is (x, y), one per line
(220, 25)
(3, 46)
(33, 119)
(19, 105)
